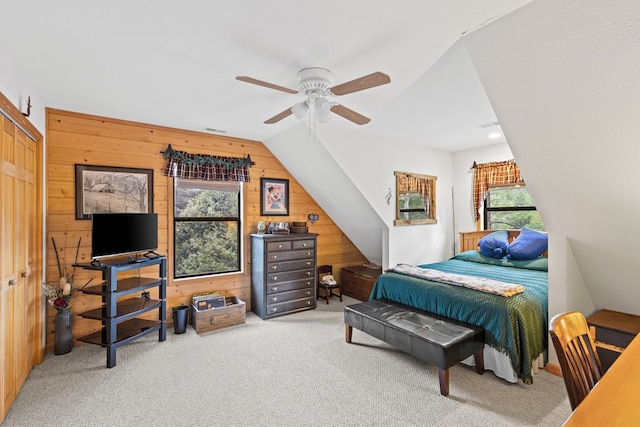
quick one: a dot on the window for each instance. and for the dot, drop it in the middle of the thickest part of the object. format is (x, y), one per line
(207, 227)
(510, 207)
(415, 199)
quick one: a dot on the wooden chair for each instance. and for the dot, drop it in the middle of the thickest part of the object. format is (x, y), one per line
(576, 349)
(325, 270)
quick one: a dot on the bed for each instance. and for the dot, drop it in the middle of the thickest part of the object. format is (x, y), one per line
(515, 326)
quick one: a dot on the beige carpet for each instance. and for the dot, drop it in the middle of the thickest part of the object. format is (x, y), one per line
(290, 371)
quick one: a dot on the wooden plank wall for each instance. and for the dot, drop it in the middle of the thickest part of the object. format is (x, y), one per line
(74, 138)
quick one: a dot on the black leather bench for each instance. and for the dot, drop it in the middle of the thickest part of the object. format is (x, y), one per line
(434, 339)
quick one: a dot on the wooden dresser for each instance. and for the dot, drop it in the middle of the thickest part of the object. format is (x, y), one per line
(283, 273)
(613, 331)
(357, 281)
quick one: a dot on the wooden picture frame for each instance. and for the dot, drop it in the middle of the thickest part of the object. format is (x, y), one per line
(274, 197)
(101, 189)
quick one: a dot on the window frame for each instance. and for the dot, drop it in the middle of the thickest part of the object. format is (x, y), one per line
(487, 210)
(214, 185)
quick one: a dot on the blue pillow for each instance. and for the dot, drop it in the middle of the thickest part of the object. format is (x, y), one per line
(494, 245)
(529, 244)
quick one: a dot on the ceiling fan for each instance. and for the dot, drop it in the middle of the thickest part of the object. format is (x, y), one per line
(315, 84)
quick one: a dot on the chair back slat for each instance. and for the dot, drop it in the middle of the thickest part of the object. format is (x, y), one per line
(575, 347)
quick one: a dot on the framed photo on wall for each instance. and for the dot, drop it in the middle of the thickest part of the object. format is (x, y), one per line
(274, 197)
(103, 189)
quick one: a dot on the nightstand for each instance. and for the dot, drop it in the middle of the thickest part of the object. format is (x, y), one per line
(613, 331)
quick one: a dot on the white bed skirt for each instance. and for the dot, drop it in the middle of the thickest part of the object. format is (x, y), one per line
(500, 364)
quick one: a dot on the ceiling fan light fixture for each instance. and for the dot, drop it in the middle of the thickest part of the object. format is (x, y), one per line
(300, 110)
(323, 110)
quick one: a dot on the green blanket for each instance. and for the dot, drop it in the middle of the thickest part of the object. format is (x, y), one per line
(516, 325)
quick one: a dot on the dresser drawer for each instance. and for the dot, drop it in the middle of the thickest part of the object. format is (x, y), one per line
(278, 246)
(303, 244)
(286, 276)
(290, 255)
(289, 296)
(290, 286)
(301, 264)
(284, 307)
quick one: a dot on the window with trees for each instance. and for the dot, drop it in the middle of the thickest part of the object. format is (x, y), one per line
(510, 207)
(207, 227)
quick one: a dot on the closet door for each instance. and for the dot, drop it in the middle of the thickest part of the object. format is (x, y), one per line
(20, 340)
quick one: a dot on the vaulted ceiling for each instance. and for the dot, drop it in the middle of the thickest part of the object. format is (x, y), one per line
(175, 63)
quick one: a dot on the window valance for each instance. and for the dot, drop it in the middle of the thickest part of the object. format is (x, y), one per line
(489, 174)
(181, 164)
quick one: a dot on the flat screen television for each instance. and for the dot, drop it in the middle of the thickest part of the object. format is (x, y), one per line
(118, 234)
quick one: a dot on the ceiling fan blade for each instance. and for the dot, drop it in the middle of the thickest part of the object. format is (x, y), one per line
(279, 116)
(348, 114)
(366, 82)
(265, 84)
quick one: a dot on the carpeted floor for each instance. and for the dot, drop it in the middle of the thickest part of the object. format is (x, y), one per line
(289, 371)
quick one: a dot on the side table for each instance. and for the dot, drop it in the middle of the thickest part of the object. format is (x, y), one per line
(613, 331)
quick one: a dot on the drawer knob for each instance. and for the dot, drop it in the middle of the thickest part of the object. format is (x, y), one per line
(308, 253)
(274, 256)
(274, 299)
(274, 309)
(275, 288)
(308, 293)
(308, 273)
(308, 263)
(274, 267)
(304, 245)
(279, 246)
(308, 302)
(308, 283)
(274, 278)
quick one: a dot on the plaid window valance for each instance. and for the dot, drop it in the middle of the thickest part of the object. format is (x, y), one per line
(490, 174)
(412, 184)
(181, 164)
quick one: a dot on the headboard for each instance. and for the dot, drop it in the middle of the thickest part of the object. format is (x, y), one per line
(469, 239)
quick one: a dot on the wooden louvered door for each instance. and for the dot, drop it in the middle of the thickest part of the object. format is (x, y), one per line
(20, 269)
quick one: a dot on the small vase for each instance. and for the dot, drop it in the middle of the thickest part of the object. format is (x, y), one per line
(64, 335)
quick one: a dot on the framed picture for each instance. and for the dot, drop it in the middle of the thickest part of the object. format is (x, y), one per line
(274, 197)
(112, 189)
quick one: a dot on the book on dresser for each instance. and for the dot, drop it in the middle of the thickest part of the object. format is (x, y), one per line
(283, 273)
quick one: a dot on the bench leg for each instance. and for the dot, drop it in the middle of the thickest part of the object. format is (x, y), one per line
(478, 356)
(443, 376)
(348, 332)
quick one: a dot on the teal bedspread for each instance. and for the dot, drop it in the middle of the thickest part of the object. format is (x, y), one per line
(515, 325)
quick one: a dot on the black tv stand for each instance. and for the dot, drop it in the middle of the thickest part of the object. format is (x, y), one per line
(120, 325)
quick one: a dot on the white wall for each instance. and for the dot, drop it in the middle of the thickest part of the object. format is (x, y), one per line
(370, 163)
(17, 89)
(361, 172)
(563, 80)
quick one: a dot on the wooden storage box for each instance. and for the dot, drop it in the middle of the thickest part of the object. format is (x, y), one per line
(218, 318)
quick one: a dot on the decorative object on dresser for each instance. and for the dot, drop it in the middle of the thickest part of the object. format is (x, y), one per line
(119, 324)
(613, 331)
(357, 280)
(283, 273)
(328, 283)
